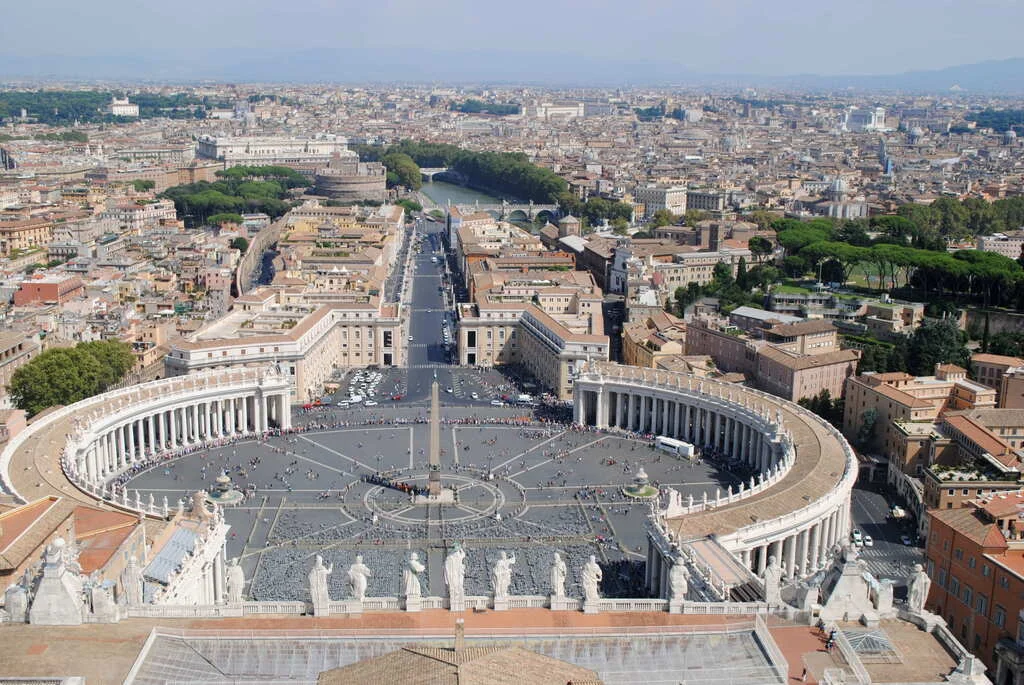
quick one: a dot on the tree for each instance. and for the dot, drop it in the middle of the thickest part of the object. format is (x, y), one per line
(410, 205)
(142, 185)
(662, 217)
(224, 218)
(741, 274)
(62, 376)
(240, 243)
(760, 247)
(694, 216)
(936, 341)
(824, 406)
(402, 170)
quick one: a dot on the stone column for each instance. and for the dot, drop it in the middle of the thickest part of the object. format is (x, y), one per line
(245, 414)
(599, 418)
(218, 578)
(131, 441)
(805, 539)
(762, 558)
(790, 545)
(666, 419)
(687, 433)
(815, 555)
(173, 428)
(745, 558)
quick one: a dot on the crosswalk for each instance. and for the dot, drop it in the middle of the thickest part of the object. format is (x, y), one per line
(882, 565)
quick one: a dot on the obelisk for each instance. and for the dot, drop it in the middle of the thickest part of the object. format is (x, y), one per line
(434, 475)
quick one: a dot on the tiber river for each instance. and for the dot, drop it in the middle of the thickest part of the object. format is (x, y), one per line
(440, 192)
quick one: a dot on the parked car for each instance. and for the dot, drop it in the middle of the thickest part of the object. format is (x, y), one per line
(868, 542)
(856, 536)
(370, 403)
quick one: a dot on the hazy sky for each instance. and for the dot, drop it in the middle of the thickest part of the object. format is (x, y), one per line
(727, 36)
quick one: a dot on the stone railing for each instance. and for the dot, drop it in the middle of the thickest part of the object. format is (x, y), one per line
(255, 608)
(745, 490)
(850, 656)
(183, 611)
(771, 648)
(632, 605)
(477, 602)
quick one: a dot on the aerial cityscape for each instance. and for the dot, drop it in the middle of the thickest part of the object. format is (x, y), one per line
(365, 355)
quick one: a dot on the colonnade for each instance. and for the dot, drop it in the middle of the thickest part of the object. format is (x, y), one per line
(724, 427)
(804, 551)
(740, 424)
(151, 432)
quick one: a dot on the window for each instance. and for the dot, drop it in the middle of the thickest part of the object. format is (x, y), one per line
(999, 618)
(986, 570)
(954, 586)
(968, 595)
(981, 604)
(959, 554)
(971, 563)
(1004, 582)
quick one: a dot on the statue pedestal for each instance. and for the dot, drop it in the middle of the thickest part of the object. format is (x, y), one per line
(675, 606)
(413, 603)
(590, 607)
(501, 603)
(351, 607)
(456, 603)
(321, 609)
(562, 603)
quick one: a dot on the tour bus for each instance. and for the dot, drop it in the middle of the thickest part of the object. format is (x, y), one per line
(673, 446)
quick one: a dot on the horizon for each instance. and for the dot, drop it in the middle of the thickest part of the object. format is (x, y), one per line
(544, 43)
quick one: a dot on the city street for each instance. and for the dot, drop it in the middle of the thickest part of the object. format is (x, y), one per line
(888, 557)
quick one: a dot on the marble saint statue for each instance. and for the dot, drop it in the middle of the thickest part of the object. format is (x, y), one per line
(235, 582)
(590, 579)
(918, 584)
(318, 582)
(358, 575)
(558, 573)
(501, 575)
(455, 572)
(411, 576)
(772, 576)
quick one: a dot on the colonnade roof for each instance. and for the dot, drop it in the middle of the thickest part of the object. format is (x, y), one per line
(818, 470)
(34, 469)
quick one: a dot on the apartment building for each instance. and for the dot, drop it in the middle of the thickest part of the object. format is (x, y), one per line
(989, 370)
(1007, 244)
(308, 340)
(657, 336)
(878, 401)
(975, 558)
(779, 368)
(656, 198)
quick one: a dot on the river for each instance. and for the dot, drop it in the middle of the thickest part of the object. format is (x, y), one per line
(440, 192)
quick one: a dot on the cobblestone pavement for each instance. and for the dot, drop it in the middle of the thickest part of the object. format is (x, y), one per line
(528, 491)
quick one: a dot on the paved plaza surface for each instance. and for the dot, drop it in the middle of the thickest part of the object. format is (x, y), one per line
(526, 490)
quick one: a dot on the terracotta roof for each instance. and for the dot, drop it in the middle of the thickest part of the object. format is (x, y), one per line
(999, 359)
(25, 528)
(984, 438)
(802, 328)
(970, 523)
(100, 533)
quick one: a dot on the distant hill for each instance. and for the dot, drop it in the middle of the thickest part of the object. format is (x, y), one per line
(341, 65)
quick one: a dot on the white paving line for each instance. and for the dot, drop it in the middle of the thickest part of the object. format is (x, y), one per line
(412, 447)
(528, 450)
(334, 452)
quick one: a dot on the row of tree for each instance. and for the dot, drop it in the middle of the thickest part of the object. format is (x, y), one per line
(509, 174)
(62, 375)
(240, 190)
(475, 106)
(64, 108)
(817, 246)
